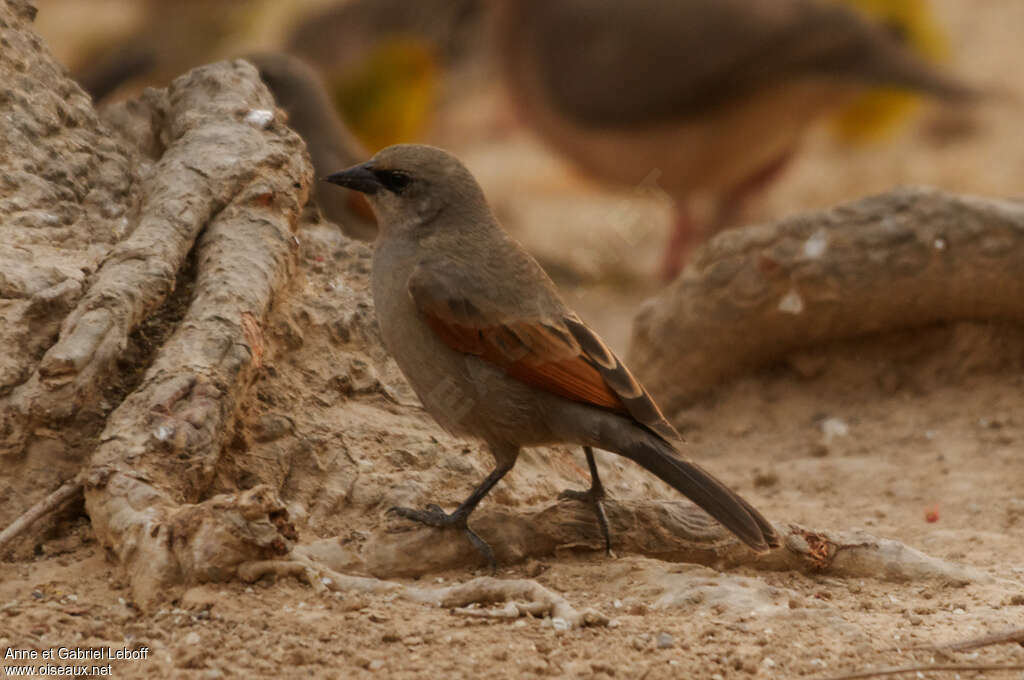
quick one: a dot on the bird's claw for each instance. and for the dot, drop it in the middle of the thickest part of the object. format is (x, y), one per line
(433, 516)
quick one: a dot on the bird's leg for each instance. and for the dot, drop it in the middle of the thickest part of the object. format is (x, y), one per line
(684, 238)
(687, 234)
(732, 205)
(434, 516)
(593, 496)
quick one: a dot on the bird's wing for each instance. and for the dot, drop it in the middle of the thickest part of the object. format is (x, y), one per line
(610, 63)
(556, 353)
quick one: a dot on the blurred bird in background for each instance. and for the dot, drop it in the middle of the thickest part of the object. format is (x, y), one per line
(161, 40)
(709, 98)
(300, 91)
(363, 75)
(383, 60)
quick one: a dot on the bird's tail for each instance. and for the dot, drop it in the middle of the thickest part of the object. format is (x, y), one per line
(737, 515)
(888, 63)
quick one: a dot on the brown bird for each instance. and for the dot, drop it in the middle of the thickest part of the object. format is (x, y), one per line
(299, 90)
(494, 353)
(707, 97)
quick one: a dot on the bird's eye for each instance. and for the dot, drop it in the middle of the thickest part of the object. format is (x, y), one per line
(394, 181)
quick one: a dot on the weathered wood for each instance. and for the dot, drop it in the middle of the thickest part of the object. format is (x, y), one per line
(676, 531)
(902, 260)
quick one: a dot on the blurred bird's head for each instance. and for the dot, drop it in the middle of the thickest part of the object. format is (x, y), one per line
(410, 185)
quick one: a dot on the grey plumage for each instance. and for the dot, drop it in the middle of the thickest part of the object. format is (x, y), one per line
(491, 349)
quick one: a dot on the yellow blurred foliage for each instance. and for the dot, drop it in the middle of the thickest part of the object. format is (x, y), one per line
(876, 114)
(389, 96)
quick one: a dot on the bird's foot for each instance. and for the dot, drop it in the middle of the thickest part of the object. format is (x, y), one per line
(593, 497)
(434, 516)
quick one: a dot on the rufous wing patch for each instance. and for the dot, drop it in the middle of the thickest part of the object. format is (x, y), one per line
(534, 355)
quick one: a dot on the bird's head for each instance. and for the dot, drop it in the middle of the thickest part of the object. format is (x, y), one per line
(410, 185)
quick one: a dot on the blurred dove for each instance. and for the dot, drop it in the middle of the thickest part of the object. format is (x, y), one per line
(704, 97)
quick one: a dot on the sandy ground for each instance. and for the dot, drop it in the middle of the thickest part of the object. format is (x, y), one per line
(920, 445)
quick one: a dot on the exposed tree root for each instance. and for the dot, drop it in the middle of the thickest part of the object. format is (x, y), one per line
(522, 597)
(52, 503)
(1015, 635)
(669, 530)
(901, 260)
(243, 183)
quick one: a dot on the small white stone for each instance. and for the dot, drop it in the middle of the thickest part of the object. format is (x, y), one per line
(614, 623)
(939, 243)
(559, 624)
(192, 639)
(791, 302)
(816, 245)
(261, 118)
(768, 662)
(834, 428)
(163, 433)
(376, 665)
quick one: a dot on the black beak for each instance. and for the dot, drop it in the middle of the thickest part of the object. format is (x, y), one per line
(357, 178)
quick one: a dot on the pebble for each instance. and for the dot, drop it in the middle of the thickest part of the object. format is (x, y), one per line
(665, 641)
(376, 665)
(192, 639)
(259, 117)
